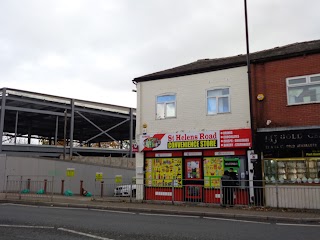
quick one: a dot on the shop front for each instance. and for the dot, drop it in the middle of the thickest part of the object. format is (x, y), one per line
(291, 167)
(189, 166)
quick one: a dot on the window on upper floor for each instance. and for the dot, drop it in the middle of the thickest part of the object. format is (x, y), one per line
(218, 101)
(305, 89)
(166, 106)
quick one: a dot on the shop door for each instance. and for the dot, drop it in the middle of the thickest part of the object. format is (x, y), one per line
(193, 180)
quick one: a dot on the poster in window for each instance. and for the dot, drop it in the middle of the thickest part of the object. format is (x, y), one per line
(163, 172)
(148, 172)
(193, 169)
(213, 171)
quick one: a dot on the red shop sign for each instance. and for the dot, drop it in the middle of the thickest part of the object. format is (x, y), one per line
(236, 138)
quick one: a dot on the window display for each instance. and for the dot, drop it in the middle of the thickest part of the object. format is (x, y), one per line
(213, 170)
(292, 170)
(193, 169)
(161, 172)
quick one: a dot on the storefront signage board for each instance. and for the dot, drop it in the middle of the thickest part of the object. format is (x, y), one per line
(135, 147)
(192, 154)
(314, 153)
(293, 139)
(237, 138)
(224, 153)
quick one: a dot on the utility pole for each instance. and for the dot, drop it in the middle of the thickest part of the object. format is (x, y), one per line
(249, 75)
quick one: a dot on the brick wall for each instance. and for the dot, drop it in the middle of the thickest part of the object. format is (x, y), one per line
(270, 79)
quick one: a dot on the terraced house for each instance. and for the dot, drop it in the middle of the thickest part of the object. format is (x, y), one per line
(194, 121)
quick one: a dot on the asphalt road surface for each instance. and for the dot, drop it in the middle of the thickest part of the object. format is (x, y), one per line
(34, 222)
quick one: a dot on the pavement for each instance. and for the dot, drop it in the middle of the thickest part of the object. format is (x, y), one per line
(124, 204)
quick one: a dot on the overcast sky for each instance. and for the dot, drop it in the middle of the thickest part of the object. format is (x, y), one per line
(92, 49)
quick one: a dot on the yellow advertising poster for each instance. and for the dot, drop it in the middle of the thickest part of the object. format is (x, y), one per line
(213, 171)
(215, 182)
(70, 172)
(148, 171)
(164, 172)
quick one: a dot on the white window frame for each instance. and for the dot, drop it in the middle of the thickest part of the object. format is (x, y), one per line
(217, 102)
(165, 104)
(307, 83)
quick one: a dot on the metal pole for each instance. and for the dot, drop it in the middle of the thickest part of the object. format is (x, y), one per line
(56, 133)
(65, 135)
(45, 186)
(277, 194)
(95, 188)
(101, 189)
(3, 105)
(62, 187)
(249, 75)
(81, 186)
(52, 188)
(131, 131)
(29, 132)
(131, 191)
(71, 128)
(16, 128)
(7, 187)
(20, 187)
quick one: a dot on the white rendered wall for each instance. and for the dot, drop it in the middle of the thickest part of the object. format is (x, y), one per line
(191, 102)
(191, 108)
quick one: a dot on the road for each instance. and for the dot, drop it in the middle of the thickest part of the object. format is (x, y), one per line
(34, 222)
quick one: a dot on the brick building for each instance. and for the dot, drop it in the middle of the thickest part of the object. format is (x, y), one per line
(210, 97)
(287, 118)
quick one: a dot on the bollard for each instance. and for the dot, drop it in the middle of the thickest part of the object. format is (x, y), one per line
(62, 187)
(101, 191)
(28, 184)
(45, 186)
(81, 186)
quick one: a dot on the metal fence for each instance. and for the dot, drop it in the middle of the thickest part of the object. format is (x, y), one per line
(240, 193)
(22, 187)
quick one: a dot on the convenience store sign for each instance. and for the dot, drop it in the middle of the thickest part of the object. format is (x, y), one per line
(196, 140)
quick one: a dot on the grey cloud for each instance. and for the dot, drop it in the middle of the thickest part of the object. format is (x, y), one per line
(102, 45)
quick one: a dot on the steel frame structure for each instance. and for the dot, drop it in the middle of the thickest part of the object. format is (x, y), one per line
(65, 126)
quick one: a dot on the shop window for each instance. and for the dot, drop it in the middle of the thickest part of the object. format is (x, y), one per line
(295, 170)
(166, 106)
(304, 89)
(163, 172)
(218, 101)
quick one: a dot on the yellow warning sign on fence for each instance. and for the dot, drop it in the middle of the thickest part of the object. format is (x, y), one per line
(118, 179)
(99, 176)
(70, 172)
